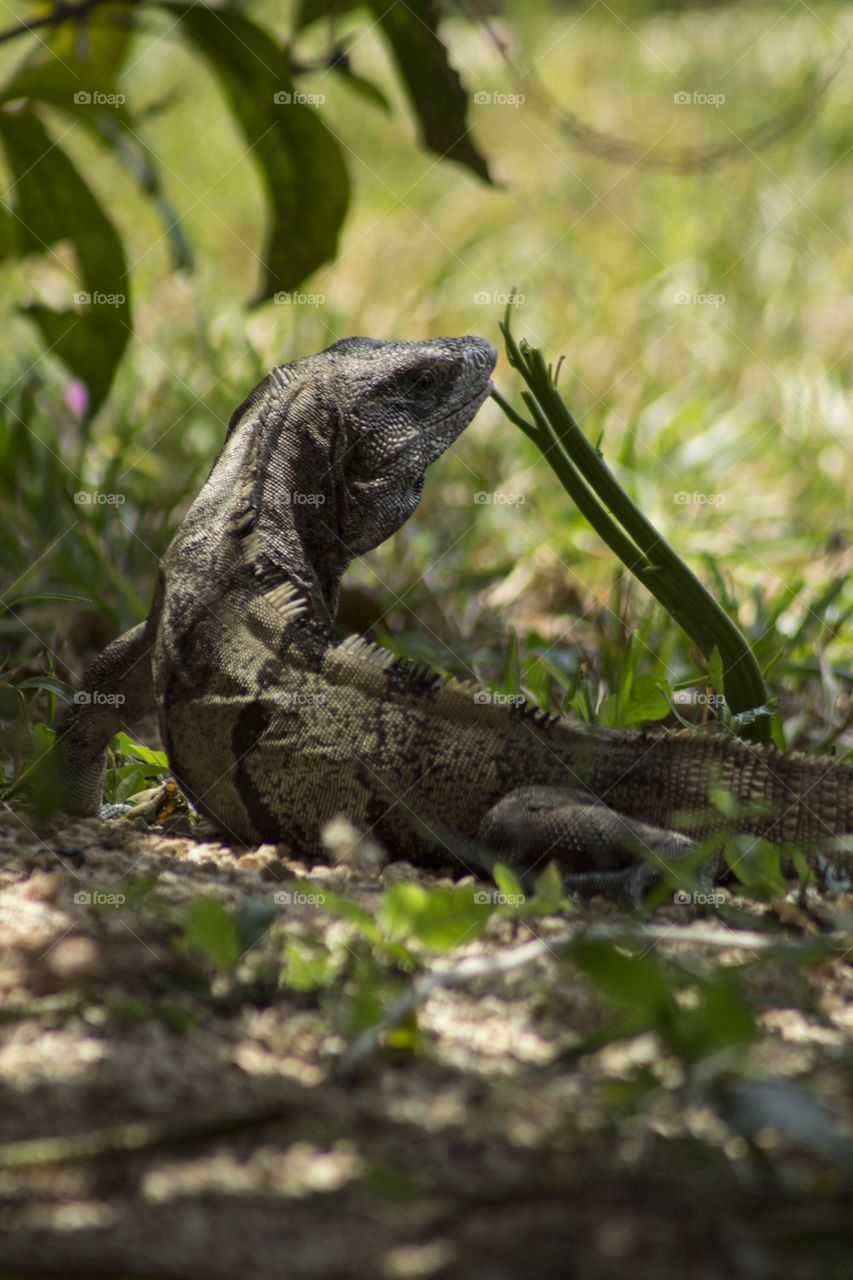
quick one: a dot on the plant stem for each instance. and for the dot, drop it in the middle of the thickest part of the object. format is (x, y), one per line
(641, 548)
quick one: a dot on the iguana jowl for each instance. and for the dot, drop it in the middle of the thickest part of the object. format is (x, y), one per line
(273, 728)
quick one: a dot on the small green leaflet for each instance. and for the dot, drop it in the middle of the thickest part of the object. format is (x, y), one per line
(439, 919)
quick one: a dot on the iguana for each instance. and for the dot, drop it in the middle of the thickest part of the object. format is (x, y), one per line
(272, 727)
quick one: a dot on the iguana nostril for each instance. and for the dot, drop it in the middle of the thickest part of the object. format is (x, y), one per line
(482, 356)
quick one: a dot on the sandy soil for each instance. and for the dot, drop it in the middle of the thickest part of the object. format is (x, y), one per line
(180, 1124)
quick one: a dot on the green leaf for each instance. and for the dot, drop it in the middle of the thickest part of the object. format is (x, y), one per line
(78, 72)
(362, 86)
(757, 864)
(300, 162)
(343, 908)
(210, 929)
(42, 739)
(720, 1019)
(123, 783)
(364, 1001)
(433, 86)
(508, 882)
(138, 889)
(439, 919)
(548, 889)
(646, 701)
(53, 203)
(632, 982)
(308, 965)
(126, 746)
(59, 687)
(77, 64)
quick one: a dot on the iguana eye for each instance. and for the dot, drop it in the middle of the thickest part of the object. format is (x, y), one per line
(426, 381)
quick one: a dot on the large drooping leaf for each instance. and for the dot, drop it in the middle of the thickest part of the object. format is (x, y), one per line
(433, 85)
(52, 203)
(76, 65)
(76, 68)
(300, 162)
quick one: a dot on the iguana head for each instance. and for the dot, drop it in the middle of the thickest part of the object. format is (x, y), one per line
(326, 458)
(399, 406)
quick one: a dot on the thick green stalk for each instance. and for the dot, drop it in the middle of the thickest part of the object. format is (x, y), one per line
(641, 548)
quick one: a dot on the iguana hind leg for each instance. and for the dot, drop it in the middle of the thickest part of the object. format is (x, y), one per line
(116, 690)
(598, 848)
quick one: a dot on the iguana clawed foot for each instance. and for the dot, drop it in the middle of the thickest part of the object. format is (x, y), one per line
(602, 851)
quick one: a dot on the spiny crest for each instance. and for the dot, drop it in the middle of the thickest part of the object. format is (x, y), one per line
(286, 600)
(247, 499)
(464, 688)
(255, 400)
(418, 678)
(271, 611)
(525, 710)
(768, 753)
(414, 677)
(281, 376)
(356, 646)
(250, 548)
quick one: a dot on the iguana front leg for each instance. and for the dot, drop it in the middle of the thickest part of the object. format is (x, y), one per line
(116, 690)
(598, 848)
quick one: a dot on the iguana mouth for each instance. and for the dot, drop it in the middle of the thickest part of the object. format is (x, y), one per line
(477, 398)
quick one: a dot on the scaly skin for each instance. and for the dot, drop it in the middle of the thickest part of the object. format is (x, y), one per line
(273, 728)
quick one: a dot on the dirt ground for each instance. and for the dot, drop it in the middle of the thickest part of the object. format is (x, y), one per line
(158, 1121)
